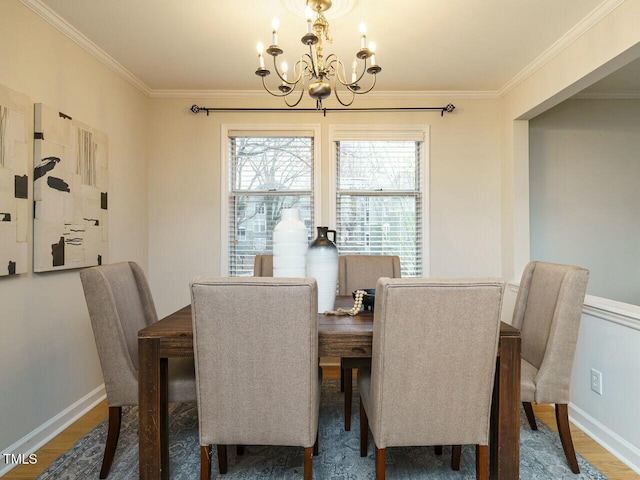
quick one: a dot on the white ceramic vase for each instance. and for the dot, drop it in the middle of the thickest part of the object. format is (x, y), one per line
(290, 243)
(322, 264)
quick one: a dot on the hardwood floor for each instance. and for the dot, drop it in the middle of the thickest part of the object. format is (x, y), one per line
(613, 468)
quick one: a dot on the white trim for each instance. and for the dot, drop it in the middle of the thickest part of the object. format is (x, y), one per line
(415, 133)
(387, 132)
(600, 12)
(35, 439)
(620, 313)
(80, 39)
(450, 95)
(612, 442)
(225, 128)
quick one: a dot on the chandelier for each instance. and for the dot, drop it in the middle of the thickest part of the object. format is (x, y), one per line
(314, 72)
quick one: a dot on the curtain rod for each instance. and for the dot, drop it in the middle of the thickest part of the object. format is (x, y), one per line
(448, 108)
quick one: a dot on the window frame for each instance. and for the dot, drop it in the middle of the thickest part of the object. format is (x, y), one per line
(419, 133)
(264, 129)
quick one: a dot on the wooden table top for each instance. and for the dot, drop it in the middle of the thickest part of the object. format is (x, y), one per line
(337, 335)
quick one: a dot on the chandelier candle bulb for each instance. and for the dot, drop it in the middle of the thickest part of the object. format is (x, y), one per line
(353, 71)
(309, 15)
(275, 24)
(363, 36)
(285, 67)
(260, 58)
(372, 47)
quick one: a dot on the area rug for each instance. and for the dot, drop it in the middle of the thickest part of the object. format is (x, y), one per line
(541, 455)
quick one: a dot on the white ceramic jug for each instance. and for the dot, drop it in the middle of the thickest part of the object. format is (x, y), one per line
(290, 243)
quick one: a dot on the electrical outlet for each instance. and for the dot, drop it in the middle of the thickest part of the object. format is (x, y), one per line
(596, 381)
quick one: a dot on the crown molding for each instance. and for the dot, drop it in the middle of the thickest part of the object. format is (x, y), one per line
(80, 39)
(235, 94)
(600, 12)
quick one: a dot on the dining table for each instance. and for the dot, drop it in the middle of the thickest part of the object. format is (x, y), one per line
(338, 336)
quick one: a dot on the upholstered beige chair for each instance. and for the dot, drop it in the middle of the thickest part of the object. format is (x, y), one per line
(548, 311)
(120, 304)
(263, 266)
(434, 354)
(354, 272)
(256, 352)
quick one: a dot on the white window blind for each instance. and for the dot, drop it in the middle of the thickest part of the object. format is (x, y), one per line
(379, 200)
(267, 173)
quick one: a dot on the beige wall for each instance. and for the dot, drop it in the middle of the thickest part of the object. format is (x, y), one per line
(184, 185)
(47, 351)
(605, 47)
(609, 330)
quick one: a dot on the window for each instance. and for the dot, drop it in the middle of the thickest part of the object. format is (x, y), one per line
(266, 171)
(380, 197)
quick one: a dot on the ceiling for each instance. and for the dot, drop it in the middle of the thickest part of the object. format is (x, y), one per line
(422, 45)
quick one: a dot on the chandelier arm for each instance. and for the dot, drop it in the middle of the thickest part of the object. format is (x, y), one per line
(284, 94)
(343, 79)
(286, 101)
(344, 104)
(362, 92)
(297, 77)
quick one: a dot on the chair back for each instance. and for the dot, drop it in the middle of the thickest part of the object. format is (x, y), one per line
(120, 304)
(363, 271)
(433, 361)
(548, 310)
(263, 266)
(256, 352)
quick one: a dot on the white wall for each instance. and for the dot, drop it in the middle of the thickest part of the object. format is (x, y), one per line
(47, 350)
(184, 176)
(585, 200)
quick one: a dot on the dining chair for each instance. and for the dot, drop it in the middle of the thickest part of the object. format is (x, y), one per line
(263, 266)
(359, 272)
(548, 309)
(433, 362)
(120, 304)
(256, 352)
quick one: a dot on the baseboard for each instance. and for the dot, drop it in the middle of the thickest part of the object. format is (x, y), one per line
(35, 439)
(616, 445)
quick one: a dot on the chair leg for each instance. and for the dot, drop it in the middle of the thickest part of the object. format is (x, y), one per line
(308, 463)
(348, 399)
(205, 462)
(528, 410)
(222, 459)
(456, 453)
(482, 462)
(364, 431)
(562, 420)
(316, 448)
(341, 377)
(437, 449)
(380, 470)
(115, 420)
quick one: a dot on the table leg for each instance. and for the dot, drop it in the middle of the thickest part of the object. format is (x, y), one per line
(504, 439)
(152, 411)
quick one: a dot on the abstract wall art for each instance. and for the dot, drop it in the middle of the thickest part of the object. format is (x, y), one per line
(14, 182)
(70, 192)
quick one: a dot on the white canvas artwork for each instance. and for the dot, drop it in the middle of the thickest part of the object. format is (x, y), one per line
(70, 193)
(14, 182)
